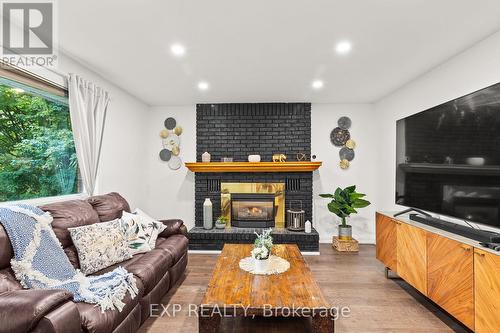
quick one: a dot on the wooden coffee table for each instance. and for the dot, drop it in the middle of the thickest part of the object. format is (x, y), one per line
(234, 292)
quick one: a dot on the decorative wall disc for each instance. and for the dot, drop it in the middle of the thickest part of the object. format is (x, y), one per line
(164, 134)
(175, 163)
(165, 155)
(171, 141)
(344, 164)
(346, 154)
(170, 123)
(344, 122)
(351, 144)
(178, 130)
(339, 136)
(176, 151)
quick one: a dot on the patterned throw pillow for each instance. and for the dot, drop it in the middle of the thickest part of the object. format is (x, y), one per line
(134, 233)
(100, 245)
(152, 228)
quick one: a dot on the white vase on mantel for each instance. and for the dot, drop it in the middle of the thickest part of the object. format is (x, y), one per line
(207, 214)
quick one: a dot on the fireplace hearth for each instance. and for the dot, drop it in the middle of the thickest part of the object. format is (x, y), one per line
(252, 210)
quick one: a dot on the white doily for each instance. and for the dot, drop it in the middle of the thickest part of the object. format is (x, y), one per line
(276, 265)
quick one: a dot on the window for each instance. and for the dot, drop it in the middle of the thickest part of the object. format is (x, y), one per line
(37, 151)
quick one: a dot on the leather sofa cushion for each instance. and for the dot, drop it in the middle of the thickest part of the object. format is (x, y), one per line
(109, 206)
(175, 245)
(150, 268)
(70, 214)
(95, 321)
(5, 249)
(72, 255)
(8, 281)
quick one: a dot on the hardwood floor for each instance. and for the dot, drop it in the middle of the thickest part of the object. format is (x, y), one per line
(348, 280)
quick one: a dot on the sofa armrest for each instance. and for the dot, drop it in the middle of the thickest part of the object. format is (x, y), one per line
(20, 310)
(174, 227)
(63, 319)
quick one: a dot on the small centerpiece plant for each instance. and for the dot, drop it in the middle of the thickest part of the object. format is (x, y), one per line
(262, 248)
(221, 222)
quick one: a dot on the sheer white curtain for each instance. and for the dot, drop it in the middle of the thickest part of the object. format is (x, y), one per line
(88, 104)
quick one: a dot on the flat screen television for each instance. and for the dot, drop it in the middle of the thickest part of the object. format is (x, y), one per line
(448, 158)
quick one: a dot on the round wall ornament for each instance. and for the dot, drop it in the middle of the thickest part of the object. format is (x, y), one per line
(344, 122)
(346, 154)
(164, 134)
(351, 144)
(165, 155)
(339, 136)
(178, 130)
(175, 163)
(170, 123)
(344, 164)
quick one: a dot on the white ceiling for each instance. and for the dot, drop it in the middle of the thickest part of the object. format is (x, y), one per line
(269, 50)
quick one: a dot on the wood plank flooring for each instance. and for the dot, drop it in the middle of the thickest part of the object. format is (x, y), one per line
(353, 280)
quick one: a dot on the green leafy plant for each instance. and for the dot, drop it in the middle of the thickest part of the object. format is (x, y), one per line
(222, 219)
(345, 202)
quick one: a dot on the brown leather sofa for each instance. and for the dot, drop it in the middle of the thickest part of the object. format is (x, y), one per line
(53, 311)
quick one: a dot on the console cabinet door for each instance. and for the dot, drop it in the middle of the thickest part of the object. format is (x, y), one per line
(450, 272)
(412, 256)
(487, 291)
(386, 233)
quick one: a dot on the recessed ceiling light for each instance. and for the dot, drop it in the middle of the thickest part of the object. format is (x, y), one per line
(177, 50)
(317, 84)
(343, 47)
(203, 85)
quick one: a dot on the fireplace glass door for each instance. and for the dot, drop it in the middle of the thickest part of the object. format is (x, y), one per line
(253, 210)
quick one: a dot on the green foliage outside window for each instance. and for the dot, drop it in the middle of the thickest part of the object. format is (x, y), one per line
(37, 151)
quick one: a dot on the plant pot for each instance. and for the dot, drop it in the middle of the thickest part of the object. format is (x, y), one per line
(220, 225)
(261, 265)
(345, 232)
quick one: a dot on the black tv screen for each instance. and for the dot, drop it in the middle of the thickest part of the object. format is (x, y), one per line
(448, 158)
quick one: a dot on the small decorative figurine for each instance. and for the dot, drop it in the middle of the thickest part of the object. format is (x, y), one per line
(279, 158)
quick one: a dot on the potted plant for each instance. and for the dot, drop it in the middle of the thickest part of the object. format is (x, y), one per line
(344, 203)
(221, 222)
(261, 252)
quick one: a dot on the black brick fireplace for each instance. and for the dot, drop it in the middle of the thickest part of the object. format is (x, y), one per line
(239, 130)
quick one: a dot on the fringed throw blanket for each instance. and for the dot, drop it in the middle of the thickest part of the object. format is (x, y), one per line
(40, 263)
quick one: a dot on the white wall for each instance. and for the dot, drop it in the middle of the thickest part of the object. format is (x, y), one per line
(170, 194)
(329, 176)
(474, 69)
(122, 166)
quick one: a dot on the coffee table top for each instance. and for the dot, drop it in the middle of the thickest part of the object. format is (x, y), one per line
(230, 285)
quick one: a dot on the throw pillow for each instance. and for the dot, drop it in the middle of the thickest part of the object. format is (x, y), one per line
(152, 228)
(100, 245)
(134, 233)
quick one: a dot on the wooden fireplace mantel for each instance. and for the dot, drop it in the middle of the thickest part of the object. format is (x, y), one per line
(305, 166)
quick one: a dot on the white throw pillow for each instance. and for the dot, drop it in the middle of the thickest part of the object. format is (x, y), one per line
(100, 245)
(152, 228)
(134, 233)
